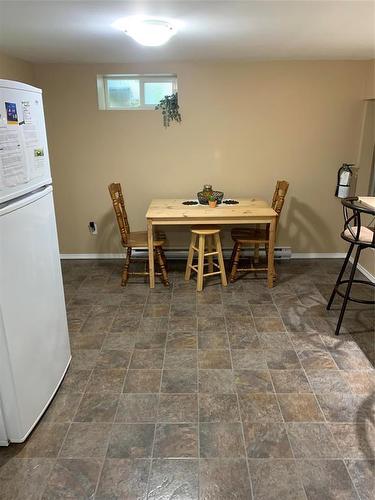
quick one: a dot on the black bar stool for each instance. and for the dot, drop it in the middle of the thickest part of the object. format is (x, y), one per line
(357, 235)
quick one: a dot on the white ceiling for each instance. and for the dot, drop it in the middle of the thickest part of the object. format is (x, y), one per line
(80, 31)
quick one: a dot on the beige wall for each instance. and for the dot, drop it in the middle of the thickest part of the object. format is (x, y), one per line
(12, 68)
(244, 126)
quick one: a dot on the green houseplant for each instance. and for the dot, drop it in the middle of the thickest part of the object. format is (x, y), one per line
(169, 109)
(212, 201)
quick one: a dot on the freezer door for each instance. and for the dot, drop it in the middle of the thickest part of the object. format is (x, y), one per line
(34, 342)
(24, 160)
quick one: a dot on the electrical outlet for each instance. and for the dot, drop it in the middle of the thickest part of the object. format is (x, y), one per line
(93, 228)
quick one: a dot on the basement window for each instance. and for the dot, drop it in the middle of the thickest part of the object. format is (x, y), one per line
(116, 92)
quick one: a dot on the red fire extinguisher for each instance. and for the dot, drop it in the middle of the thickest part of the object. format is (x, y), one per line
(344, 177)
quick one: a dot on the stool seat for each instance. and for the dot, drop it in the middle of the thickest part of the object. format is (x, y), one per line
(205, 229)
(212, 235)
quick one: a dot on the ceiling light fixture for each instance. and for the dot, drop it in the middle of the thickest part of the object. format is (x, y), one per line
(146, 30)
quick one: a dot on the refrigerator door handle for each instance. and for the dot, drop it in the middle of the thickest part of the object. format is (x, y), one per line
(24, 200)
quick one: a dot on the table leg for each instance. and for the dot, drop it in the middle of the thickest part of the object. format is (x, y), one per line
(150, 239)
(271, 248)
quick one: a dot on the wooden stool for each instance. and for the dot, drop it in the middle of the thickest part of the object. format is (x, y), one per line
(213, 241)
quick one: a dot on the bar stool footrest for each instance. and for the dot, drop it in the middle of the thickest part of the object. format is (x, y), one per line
(352, 299)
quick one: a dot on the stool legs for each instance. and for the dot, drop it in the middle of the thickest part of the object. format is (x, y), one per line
(220, 259)
(200, 263)
(159, 255)
(210, 257)
(348, 288)
(338, 281)
(190, 256)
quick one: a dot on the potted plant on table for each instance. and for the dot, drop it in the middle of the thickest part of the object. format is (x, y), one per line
(212, 201)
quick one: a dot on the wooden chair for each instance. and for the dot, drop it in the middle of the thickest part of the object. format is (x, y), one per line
(130, 240)
(256, 236)
(212, 233)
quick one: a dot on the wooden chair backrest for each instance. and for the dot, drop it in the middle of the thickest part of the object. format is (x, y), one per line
(119, 207)
(279, 196)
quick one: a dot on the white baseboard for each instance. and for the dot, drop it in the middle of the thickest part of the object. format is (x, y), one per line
(316, 255)
(182, 253)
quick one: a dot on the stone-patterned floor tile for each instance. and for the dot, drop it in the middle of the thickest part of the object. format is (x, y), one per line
(176, 359)
(350, 359)
(211, 325)
(339, 407)
(275, 480)
(269, 325)
(281, 359)
(87, 341)
(247, 381)
(316, 359)
(97, 407)
(150, 340)
(299, 408)
(213, 341)
(266, 440)
(153, 325)
(224, 480)
(113, 358)
(72, 478)
(45, 441)
(183, 309)
(214, 359)
(183, 325)
(100, 319)
(248, 359)
(264, 311)
(156, 310)
(221, 440)
(178, 408)
(275, 340)
(179, 381)
(360, 382)
(362, 475)
(259, 408)
(131, 441)
(327, 381)
(24, 478)
(216, 381)
(312, 440)
(302, 342)
(290, 381)
(326, 479)
(241, 324)
(84, 359)
(176, 441)
(62, 408)
(355, 440)
(182, 340)
(125, 479)
(106, 380)
(75, 381)
(86, 440)
(243, 340)
(147, 359)
(142, 381)
(173, 479)
(137, 408)
(119, 341)
(218, 408)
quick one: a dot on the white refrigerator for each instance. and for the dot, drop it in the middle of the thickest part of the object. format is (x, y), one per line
(34, 340)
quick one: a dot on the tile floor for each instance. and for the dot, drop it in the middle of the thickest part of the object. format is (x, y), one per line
(233, 393)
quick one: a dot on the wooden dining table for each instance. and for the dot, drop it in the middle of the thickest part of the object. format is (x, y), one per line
(172, 212)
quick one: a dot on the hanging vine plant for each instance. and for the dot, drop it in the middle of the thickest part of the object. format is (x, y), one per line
(169, 109)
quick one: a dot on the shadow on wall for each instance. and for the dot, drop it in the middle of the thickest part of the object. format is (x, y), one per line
(307, 229)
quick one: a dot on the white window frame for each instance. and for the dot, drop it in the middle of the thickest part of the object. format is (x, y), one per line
(102, 86)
